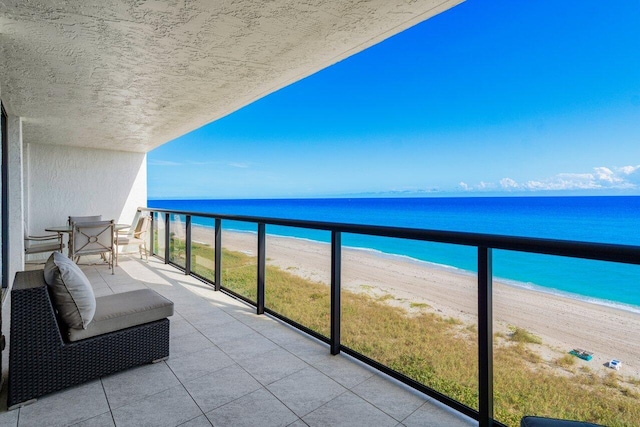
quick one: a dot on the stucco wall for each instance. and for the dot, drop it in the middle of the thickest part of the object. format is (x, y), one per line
(14, 240)
(15, 177)
(63, 181)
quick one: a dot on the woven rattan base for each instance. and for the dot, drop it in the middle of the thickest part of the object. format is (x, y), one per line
(41, 362)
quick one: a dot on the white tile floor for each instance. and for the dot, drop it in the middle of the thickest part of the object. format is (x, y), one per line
(228, 367)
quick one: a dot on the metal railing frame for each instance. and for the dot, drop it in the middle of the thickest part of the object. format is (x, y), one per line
(485, 243)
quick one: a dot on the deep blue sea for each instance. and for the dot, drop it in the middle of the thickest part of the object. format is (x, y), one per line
(589, 219)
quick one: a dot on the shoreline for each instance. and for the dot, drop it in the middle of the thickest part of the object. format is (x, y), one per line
(561, 321)
(631, 308)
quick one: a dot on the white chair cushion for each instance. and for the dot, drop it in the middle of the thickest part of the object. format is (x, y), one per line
(124, 310)
(73, 296)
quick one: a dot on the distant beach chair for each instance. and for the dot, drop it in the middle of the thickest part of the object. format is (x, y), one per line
(582, 354)
(615, 364)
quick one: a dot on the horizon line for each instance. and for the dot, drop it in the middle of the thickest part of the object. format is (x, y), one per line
(403, 196)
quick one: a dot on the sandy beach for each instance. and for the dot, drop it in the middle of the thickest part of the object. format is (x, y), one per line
(562, 323)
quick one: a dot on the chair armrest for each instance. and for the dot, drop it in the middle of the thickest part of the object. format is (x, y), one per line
(43, 238)
(123, 232)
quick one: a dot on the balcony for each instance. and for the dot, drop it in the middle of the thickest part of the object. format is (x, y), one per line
(86, 120)
(486, 365)
(246, 347)
(229, 366)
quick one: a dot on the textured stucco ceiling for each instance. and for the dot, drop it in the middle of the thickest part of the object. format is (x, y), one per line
(133, 74)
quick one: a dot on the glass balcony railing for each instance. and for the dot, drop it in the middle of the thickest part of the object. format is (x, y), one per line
(203, 249)
(388, 316)
(298, 278)
(239, 264)
(467, 338)
(159, 232)
(177, 240)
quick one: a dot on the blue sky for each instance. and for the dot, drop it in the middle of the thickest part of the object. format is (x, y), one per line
(529, 97)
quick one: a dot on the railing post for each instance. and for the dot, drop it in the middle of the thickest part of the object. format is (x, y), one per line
(485, 337)
(167, 239)
(218, 256)
(187, 247)
(336, 267)
(152, 247)
(262, 262)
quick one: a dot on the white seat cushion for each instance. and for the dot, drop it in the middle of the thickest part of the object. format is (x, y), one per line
(124, 310)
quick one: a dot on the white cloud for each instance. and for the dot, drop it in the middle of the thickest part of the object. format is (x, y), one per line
(164, 163)
(239, 165)
(632, 174)
(606, 175)
(628, 170)
(205, 163)
(602, 178)
(508, 183)
(486, 186)
(464, 186)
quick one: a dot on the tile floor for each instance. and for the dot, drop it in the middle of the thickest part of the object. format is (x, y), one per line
(228, 367)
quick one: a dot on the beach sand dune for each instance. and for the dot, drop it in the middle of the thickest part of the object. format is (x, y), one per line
(563, 323)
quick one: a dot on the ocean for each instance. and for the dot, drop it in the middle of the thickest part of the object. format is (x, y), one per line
(612, 219)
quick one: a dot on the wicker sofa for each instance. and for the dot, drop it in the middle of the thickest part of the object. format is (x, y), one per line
(129, 329)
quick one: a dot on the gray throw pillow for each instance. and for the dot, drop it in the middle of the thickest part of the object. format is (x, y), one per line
(72, 293)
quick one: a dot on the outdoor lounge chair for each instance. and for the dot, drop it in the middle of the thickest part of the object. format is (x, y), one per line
(136, 237)
(46, 354)
(42, 244)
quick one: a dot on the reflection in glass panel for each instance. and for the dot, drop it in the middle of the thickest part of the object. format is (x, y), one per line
(159, 243)
(177, 240)
(298, 277)
(203, 237)
(416, 317)
(239, 258)
(556, 330)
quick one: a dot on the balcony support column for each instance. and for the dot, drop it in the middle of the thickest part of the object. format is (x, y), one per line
(187, 247)
(262, 262)
(218, 256)
(167, 238)
(485, 336)
(336, 268)
(151, 236)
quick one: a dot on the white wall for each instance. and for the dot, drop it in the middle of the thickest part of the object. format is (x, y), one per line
(16, 197)
(62, 181)
(14, 240)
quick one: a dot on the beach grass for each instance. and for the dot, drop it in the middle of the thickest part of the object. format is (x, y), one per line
(566, 361)
(523, 336)
(438, 351)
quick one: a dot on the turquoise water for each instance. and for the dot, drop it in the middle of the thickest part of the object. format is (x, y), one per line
(588, 219)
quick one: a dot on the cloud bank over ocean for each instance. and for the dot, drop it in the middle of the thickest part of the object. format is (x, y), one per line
(601, 178)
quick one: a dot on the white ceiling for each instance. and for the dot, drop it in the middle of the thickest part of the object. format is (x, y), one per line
(133, 74)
